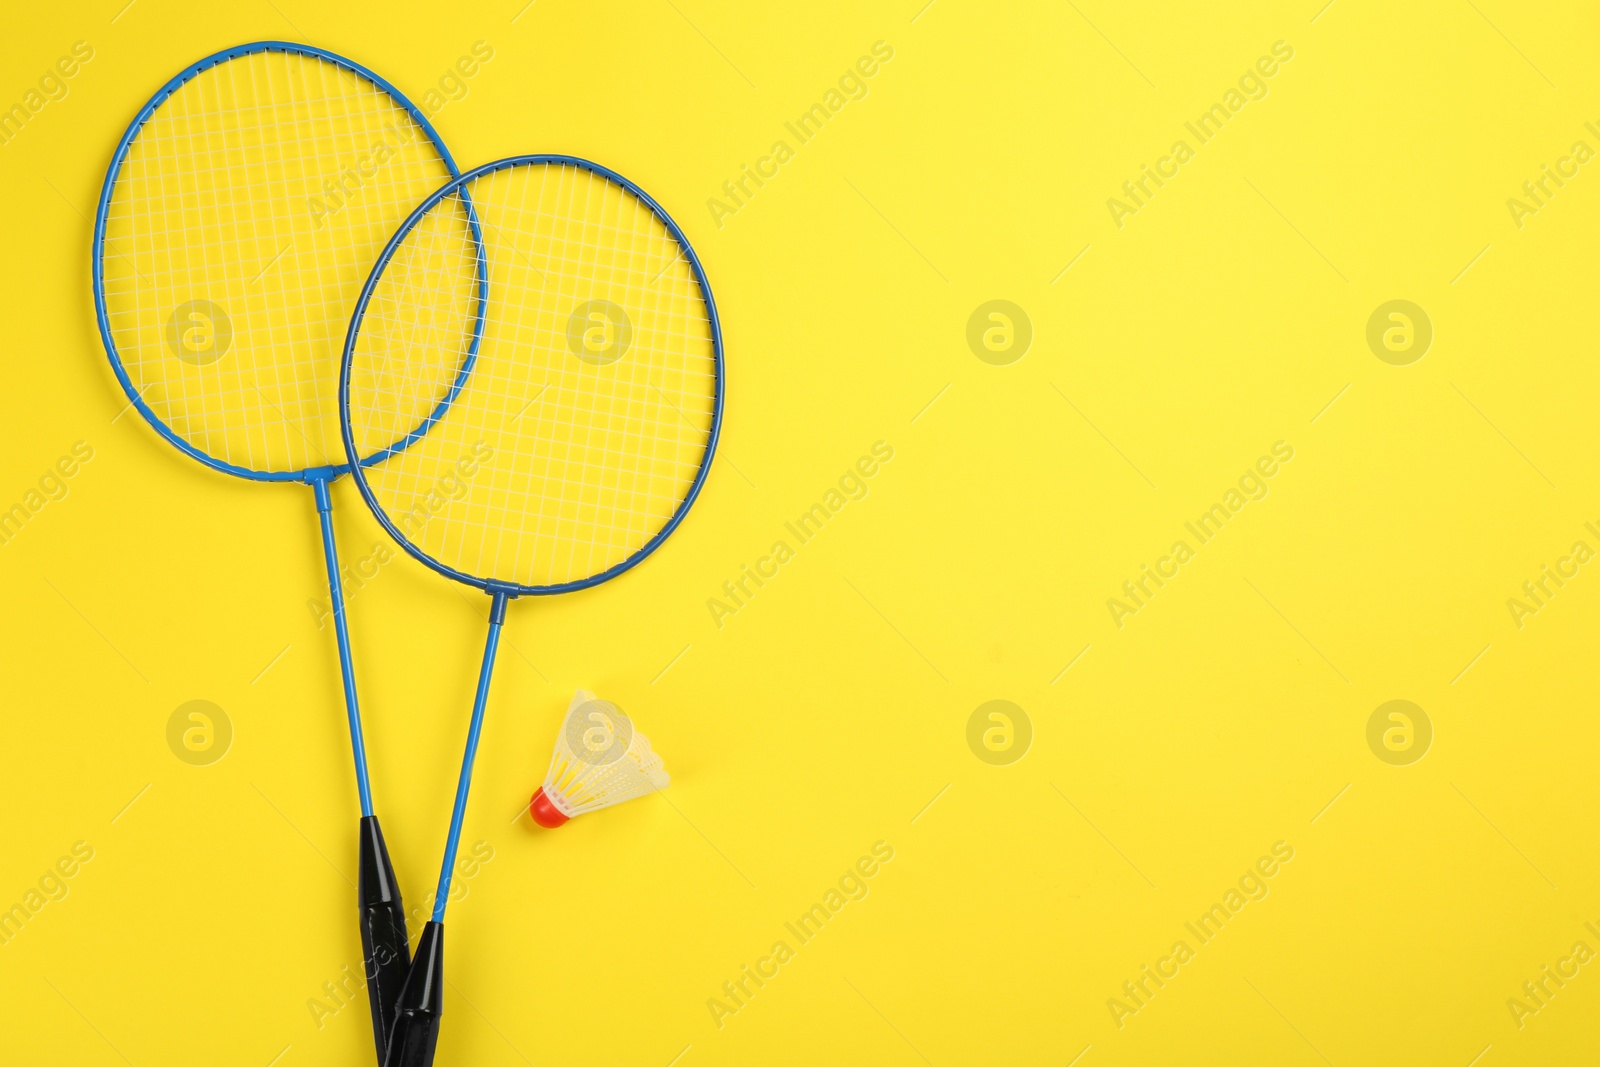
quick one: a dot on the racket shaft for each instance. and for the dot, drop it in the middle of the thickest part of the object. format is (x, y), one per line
(385, 947)
(497, 615)
(330, 554)
(415, 1033)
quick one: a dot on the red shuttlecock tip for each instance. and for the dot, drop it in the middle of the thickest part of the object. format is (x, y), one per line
(544, 812)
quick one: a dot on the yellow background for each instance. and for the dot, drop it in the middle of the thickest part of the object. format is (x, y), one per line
(1228, 714)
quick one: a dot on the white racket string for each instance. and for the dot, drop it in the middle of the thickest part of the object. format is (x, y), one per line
(587, 413)
(248, 211)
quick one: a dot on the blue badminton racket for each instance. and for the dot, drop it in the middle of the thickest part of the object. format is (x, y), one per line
(241, 211)
(576, 445)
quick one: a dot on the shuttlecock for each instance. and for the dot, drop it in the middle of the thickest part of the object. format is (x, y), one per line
(600, 760)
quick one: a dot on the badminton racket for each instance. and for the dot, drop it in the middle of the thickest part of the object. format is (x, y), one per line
(573, 449)
(241, 211)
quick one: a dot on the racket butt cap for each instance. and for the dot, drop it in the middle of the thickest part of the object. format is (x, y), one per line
(544, 812)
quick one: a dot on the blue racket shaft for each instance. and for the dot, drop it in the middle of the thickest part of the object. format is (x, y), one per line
(385, 945)
(421, 1003)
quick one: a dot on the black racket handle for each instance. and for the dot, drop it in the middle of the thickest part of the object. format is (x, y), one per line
(416, 1021)
(384, 943)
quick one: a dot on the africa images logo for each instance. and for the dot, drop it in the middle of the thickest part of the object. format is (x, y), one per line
(340, 190)
(1252, 85)
(199, 332)
(852, 85)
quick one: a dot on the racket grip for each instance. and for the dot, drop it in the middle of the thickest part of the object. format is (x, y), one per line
(384, 943)
(416, 1023)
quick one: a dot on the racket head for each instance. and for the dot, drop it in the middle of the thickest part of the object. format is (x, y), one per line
(635, 259)
(280, 343)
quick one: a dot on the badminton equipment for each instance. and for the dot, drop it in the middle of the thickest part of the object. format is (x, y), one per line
(240, 214)
(551, 329)
(599, 760)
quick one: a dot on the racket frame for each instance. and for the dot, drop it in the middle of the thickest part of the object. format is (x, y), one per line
(309, 475)
(356, 464)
